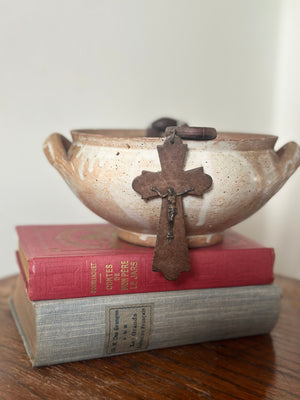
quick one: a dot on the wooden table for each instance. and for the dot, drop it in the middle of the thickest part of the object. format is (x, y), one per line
(261, 367)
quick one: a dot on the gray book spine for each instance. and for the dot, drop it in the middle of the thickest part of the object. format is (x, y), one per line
(80, 329)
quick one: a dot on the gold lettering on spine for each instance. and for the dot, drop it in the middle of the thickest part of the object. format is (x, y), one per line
(117, 276)
(93, 270)
(124, 275)
(109, 276)
(133, 275)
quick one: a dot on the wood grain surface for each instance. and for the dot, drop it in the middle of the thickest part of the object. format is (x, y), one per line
(260, 367)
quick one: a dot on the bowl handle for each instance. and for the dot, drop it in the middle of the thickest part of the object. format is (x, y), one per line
(56, 148)
(289, 159)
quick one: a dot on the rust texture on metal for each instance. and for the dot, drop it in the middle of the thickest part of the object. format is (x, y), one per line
(171, 184)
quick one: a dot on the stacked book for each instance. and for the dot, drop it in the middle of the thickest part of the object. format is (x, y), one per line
(82, 293)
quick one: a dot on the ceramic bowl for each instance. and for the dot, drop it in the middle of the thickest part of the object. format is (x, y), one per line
(100, 166)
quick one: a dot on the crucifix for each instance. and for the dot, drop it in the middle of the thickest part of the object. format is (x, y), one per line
(171, 184)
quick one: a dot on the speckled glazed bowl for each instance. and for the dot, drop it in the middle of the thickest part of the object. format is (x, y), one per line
(100, 165)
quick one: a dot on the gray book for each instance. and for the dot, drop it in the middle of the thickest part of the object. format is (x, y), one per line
(58, 331)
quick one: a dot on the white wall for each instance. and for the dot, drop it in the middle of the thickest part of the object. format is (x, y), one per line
(277, 224)
(91, 63)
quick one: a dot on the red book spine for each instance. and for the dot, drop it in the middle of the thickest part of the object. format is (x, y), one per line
(110, 274)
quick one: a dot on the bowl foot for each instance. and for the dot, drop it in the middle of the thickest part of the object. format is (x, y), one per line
(146, 239)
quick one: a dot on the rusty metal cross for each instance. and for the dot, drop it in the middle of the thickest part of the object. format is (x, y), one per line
(171, 255)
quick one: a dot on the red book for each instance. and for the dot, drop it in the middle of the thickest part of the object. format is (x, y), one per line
(66, 261)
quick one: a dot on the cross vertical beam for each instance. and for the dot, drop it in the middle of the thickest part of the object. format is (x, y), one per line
(171, 255)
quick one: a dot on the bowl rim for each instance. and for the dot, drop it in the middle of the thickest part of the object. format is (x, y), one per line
(137, 138)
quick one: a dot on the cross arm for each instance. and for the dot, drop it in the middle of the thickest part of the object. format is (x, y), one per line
(144, 183)
(198, 180)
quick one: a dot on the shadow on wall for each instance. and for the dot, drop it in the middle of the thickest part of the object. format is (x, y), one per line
(277, 225)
